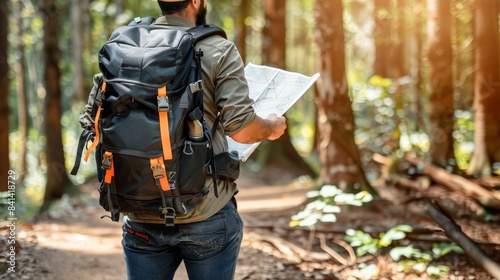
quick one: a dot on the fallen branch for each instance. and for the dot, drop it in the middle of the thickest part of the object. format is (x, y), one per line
(335, 255)
(456, 183)
(419, 185)
(488, 182)
(454, 232)
(292, 252)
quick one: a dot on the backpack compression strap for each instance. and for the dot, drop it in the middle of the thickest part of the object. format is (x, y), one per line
(109, 167)
(164, 128)
(199, 33)
(96, 124)
(159, 172)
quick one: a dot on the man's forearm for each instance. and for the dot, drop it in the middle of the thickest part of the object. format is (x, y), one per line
(260, 129)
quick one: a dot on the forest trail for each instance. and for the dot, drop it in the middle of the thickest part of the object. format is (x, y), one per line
(74, 243)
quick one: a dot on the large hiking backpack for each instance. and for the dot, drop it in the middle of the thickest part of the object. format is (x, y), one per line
(153, 146)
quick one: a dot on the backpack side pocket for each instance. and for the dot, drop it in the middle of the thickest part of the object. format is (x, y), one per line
(193, 167)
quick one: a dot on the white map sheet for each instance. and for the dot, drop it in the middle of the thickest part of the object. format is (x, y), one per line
(273, 91)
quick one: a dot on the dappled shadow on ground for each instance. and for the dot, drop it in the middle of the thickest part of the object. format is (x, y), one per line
(70, 245)
(72, 242)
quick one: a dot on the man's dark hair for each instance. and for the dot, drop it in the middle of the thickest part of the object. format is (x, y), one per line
(168, 8)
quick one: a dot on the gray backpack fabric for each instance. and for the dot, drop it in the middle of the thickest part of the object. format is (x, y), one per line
(149, 102)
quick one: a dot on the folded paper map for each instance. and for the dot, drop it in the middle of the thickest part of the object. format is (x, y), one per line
(273, 91)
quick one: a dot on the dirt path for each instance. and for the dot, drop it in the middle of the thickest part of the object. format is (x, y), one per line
(74, 243)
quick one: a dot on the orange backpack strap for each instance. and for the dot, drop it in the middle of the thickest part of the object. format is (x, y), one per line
(109, 167)
(163, 117)
(96, 126)
(107, 164)
(159, 172)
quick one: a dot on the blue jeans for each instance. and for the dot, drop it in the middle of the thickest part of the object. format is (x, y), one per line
(208, 248)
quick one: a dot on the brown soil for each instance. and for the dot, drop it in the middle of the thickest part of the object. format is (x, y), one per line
(72, 242)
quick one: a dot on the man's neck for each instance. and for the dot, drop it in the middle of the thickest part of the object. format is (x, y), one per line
(185, 14)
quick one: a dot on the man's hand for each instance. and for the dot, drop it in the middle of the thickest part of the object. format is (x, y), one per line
(279, 126)
(260, 129)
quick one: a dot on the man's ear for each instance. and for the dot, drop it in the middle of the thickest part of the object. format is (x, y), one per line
(196, 3)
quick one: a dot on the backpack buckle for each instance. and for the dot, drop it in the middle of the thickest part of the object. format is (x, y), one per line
(163, 103)
(168, 215)
(195, 87)
(157, 171)
(107, 160)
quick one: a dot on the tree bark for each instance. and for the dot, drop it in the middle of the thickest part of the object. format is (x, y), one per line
(486, 89)
(382, 37)
(241, 29)
(274, 31)
(397, 68)
(274, 54)
(441, 106)
(57, 178)
(79, 94)
(340, 160)
(416, 65)
(22, 95)
(398, 41)
(4, 87)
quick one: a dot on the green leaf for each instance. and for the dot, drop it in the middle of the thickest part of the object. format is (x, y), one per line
(420, 267)
(395, 233)
(437, 270)
(329, 218)
(344, 198)
(309, 221)
(301, 215)
(316, 205)
(401, 251)
(331, 209)
(364, 196)
(442, 249)
(368, 271)
(329, 191)
(405, 228)
(368, 248)
(350, 232)
(312, 194)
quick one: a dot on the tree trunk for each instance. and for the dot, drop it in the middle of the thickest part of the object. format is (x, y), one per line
(382, 37)
(57, 178)
(241, 28)
(22, 95)
(397, 69)
(4, 87)
(441, 106)
(274, 41)
(486, 89)
(79, 95)
(274, 54)
(416, 65)
(341, 164)
(397, 42)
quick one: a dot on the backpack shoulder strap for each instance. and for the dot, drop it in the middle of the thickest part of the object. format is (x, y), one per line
(142, 21)
(203, 31)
